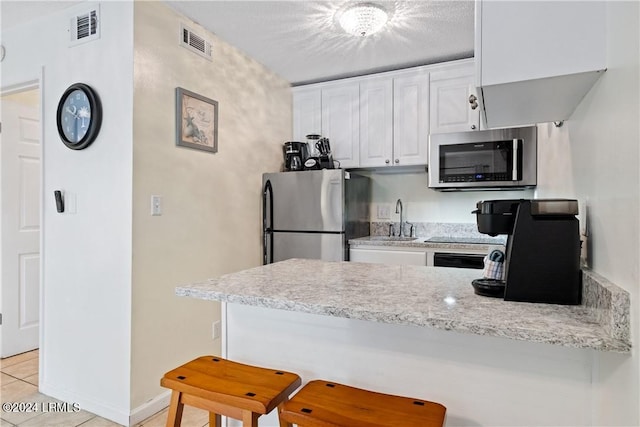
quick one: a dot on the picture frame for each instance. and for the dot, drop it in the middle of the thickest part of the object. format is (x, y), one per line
(196, 121)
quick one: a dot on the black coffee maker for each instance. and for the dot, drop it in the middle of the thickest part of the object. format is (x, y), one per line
(295, 153)
(543, 248)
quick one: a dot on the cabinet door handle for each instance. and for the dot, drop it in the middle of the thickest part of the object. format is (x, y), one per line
(473, 127)
(473, 101)
(387, 161)
(397, 160)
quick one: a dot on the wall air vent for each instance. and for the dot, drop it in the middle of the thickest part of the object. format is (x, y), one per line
(195, 43)
(85, 27)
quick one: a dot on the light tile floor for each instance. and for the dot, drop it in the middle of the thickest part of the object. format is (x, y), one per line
(19, 383)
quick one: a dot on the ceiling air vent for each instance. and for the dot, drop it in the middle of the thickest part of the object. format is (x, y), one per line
(85, 27)
(195, 43)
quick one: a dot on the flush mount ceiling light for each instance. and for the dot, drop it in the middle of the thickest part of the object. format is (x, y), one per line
(363, 19)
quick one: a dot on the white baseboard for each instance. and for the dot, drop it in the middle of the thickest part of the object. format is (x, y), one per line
(150, 407)
(120, 416)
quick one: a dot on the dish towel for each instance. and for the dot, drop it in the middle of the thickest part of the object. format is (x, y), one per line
(494, 265)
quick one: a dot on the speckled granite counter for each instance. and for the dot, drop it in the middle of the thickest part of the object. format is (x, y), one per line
(433, 297)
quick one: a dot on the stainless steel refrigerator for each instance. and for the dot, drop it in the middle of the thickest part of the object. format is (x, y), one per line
(313, 214)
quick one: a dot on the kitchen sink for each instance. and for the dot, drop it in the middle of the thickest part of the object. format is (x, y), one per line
(393, 238)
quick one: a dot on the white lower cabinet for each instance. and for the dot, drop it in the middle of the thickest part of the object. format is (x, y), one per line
(390, 256)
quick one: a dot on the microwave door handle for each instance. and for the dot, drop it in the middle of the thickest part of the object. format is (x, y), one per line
(514, 161)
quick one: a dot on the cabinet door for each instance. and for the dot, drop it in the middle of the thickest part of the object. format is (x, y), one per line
(536, 60)
(450, 92)
(410, 119)
(340, 122)
(306, 113)
(525, 40)
(388, 257)
(376, 122)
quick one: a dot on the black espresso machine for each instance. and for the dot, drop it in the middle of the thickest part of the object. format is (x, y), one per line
(543, 248)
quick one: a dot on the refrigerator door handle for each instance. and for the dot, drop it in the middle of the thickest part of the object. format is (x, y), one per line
(267, 224)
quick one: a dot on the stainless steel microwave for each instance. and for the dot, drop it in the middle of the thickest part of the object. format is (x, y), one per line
(491, 159)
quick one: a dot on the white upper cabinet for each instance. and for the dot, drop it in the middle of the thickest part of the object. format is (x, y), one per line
(383, 120)
(306, 113)
(536, 60)
(394, 119)
(340, 122)
(376, 122)
(454, 99)
(411, 118)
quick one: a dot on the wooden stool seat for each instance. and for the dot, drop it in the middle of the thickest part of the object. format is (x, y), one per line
(328, 404)
(227, 388)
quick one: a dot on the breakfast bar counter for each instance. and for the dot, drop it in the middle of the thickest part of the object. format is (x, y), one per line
(422, 332)
(433, 297)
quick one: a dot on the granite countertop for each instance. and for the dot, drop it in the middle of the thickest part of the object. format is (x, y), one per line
(433, 297)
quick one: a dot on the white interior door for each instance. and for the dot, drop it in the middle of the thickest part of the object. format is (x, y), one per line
(20, 230)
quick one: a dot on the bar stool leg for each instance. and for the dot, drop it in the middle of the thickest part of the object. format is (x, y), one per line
(249, 419)
(283, 423)
(215, 420)
(174, 417)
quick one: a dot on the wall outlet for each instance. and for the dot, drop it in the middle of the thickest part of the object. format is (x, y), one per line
(216, 329)
(156, 205)
(384, 211)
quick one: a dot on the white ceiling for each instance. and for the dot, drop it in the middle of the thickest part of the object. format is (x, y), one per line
(300, 40)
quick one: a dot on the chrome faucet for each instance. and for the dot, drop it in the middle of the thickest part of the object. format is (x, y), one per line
(399, 210)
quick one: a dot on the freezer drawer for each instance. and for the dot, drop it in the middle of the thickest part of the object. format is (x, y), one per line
(325, 246)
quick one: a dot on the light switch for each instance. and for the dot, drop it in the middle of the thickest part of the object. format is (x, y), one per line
(156, 205)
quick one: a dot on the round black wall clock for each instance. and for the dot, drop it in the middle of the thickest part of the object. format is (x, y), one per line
(79, 116)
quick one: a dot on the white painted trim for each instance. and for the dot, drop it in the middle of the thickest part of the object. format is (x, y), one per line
(223, 322)
(99, 408)
(41, 326)
(22, 86)
(149, 408)
(38, 84)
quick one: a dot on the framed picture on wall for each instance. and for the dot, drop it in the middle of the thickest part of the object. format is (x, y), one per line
(196, 121)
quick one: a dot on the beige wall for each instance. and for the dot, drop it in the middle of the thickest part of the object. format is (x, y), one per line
(211, 221)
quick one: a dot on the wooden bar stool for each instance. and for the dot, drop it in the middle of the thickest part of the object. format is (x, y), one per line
(328, 404)
(227, 388)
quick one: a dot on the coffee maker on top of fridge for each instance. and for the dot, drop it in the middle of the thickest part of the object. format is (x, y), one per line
(311, 155)
(295, 154)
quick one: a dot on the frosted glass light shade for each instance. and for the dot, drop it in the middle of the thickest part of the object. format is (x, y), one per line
(363, 19)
